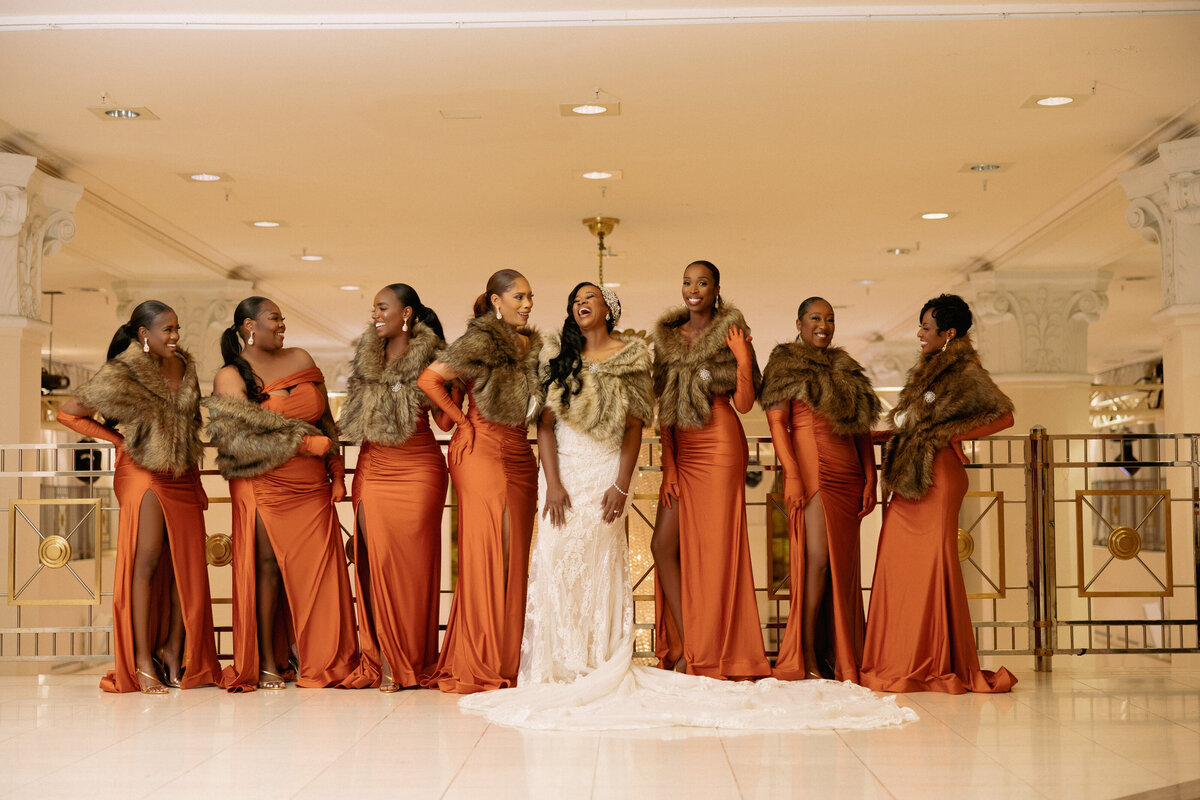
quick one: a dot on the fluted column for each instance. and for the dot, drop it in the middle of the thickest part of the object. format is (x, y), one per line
(1031, 332)
(1164, 207)
(204, 307)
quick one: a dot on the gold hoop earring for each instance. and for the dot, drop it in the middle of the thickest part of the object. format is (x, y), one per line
(145, 345)
(250, 340)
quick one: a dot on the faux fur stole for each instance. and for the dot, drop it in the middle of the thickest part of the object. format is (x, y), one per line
(383, 403)
(161, 427)
(945, 395)
(830, 381)
(609, 390)
(252, 440)
(687, 376)
(503, 380)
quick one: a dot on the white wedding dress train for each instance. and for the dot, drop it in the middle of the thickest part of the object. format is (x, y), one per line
(576, 668)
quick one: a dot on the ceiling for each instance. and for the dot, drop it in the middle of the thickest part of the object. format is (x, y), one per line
(792, 151)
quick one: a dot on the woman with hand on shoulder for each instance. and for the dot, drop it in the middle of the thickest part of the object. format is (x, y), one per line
(148, 387)
(704, 368)
(399, 489)
(495, 475)
(277, 447)
(821, 408)
(919, 635)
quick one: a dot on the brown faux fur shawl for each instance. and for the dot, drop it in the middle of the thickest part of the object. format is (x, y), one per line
(946, 394)
(252, 440)
(684, 397)
(383, 402)
(502, 378)
(829, 381)
(609, 390)
(161, 427)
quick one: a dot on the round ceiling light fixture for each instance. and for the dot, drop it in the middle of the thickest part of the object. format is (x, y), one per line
(265, 223)
(597, 175)
(1057, 100)
(589, 108)
(122, 113)
(935, 215)
(204, 177)
(897, 251)
(985, 168)
(866, 281)
(349, 288)
(307, 257)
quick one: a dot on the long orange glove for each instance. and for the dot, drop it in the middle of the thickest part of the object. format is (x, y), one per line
(314, 445)
(785, 454)
(86, 426)
(739, 343)
(434, 387)
(669, 491)
(441, 417)
(866, 455)
(336, 467)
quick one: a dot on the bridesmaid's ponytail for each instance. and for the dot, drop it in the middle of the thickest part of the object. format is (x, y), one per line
(407, 296)
(143, 316)
(500, 282)
(231, 347)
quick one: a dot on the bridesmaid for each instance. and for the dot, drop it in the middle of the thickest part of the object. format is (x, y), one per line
(821, 407)
(162, 610)
(707, 615)
(919, 636)
(493, 469)
(399, 490)
(289, 569)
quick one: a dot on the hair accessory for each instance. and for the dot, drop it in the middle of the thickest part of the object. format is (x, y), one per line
(613, 302)
(145, 345)
(251, 339)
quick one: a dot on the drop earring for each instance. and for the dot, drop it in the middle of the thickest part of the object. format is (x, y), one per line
(404, 327)
(608, 316)
(250, 340)
(498, 314)
(145, 345)
(945, 344)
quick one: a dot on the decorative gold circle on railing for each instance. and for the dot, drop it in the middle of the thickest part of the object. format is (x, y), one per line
(1124, 543)
(218, 549)
(349, 548)
(966, 544)
(54, 551)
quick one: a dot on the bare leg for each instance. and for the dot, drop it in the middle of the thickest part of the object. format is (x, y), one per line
(172, 651)
(665, 546)
(816, 573)
(267, 570)
(150, 535)
(362, 565)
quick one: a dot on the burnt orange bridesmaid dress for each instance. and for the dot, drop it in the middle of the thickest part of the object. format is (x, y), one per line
(399, 492)
(833, 465)
(919, 635)
(295, 503)
(497, 479)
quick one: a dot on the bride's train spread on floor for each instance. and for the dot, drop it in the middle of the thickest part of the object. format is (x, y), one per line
(576, 656)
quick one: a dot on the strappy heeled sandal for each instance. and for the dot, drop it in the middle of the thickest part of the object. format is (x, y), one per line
(154, 688)
(388, 685)
(273, 683)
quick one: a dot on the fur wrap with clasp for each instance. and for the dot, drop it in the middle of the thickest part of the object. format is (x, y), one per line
(383, 403)
(684, 396)
(252, 440)
(829, 381)
(502, 379)
(609, 390)
(945, 395)
(161, 427)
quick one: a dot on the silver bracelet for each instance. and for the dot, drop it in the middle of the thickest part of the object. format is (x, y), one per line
(618, 488)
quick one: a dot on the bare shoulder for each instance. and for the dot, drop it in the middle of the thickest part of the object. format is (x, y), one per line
(297, 358)
(228, 382)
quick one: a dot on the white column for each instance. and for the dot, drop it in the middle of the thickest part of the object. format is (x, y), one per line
(204, 307)
(1164, 207)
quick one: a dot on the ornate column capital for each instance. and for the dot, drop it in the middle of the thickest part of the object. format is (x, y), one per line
(1035, 323)
(1164, 207)
(15, 174)
(887, 362)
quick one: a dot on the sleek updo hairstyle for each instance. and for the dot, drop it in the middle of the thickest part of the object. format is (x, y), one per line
(500, 282)
(566, 366)
(807, 303)
(143, 316)
(231, 346)
(421, 313)
(716, 276)
(949, 311)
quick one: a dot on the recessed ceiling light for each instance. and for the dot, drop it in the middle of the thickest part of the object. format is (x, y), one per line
(349, 288)
(985, 168)
(864, 282)
(597, 175)
(123, 113)
(594, 108)
(611, 285)
(460, 113)
(265, 223)
(936, 215)
(897, 251)
(1055, 101)
(205, 177)
(307, 257)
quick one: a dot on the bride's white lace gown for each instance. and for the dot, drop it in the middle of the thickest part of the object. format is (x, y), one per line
(576, 655)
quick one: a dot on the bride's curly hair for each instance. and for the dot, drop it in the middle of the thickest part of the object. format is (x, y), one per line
(566, 366)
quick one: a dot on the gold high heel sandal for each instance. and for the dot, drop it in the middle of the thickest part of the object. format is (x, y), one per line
(274, 683)
(154, 688)
(388, 685)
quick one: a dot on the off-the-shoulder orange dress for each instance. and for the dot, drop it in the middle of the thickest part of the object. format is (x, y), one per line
(186, 569)
(399, 493)
(295, 504)
(919, 635)
(836, 466)
(720, 612)
(482, 647)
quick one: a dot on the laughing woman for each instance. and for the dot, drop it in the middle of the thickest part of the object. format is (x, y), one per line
(494, 472)
(821, 407)
(399, 489)
(704, 368)
(162, 611)
(919, 633)
(289, 569)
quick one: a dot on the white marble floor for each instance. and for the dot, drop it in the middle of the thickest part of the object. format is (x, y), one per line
(1093, 728)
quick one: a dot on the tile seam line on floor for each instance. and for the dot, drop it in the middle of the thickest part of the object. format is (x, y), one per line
(865, 765)
(595, 768)
(737, 784)
(467, 758)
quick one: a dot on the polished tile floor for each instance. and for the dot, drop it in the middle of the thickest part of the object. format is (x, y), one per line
(1093, 728)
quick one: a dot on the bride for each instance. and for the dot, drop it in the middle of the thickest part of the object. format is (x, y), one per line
(576, 669)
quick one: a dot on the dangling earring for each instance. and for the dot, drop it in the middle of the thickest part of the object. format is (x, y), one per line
(250, 341)
(145, 345)
(717, 303)
(608, 316)
(945, 344)
(498, 314)
(404, 327)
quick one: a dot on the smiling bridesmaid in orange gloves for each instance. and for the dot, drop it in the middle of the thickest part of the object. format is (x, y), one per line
(919, 634)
